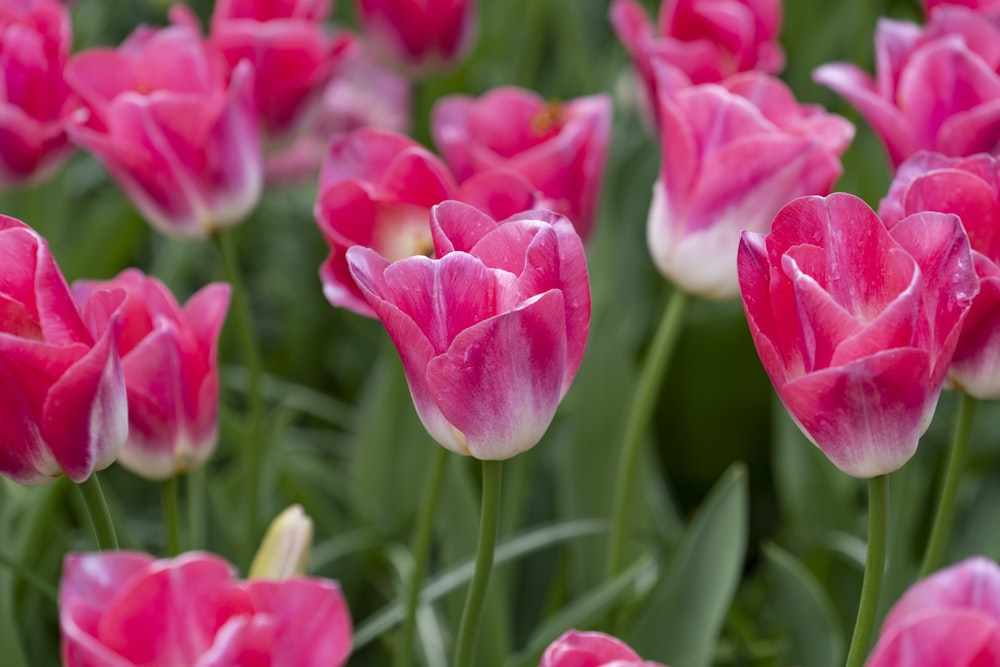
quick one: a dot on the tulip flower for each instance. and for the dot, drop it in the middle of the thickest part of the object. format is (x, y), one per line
(492, 332)
(591, 649)
(64, 409)
(950, 618)
(179, 140)
(970, 188)
(419, 36)
(125, 609)
(733, 155)
(171, 374)
(990, 7)
(376, 189)
(560, 148)
(699, 41)
(284, 551)
(856, 324)
(936, 87)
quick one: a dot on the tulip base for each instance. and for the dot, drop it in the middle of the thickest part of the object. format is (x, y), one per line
(878, 503)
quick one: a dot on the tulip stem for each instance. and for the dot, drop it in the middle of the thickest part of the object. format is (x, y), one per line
(421, 552)
(878, 502)
(488, 522)
(941, 529)
(641, 409)
(100, 515)
(251, 357)
(171, 515)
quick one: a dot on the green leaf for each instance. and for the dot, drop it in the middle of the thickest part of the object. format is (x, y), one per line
(682, 618)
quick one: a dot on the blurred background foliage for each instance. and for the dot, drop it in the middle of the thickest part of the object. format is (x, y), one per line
(757, 564)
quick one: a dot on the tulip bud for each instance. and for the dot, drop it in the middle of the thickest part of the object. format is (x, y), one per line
(284, 551)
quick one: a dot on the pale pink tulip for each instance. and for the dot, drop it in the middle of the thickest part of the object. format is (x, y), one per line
(591, 649)
(169, 358)
(856, 324)
(491, 333)
(987, 6)
(419, 36)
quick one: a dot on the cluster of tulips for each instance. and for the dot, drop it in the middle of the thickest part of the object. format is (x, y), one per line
(475, 262)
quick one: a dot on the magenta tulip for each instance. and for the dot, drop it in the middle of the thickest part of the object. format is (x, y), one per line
(733, 155)
(491, 333)
(179, 140)
(936, 87)
(856, 324)
(64, 409)
(591, 649)
(419, 36)
(35, 101)
(376, 189)
(950, 618)
(559, 147)
(990, 7)
(124, 609)
(171, 374)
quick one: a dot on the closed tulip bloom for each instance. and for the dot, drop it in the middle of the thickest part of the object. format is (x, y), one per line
(171, 373)
(856, 324)
(178, 135)
(591, 649)
(950, 618)
(559, 147)
(419, 36)
(491, 333)
(936, 87)
(127, 609)
(64, 409)
(733, 155)
(35, 101)
(376, 189)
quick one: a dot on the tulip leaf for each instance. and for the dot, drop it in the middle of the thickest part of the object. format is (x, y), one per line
(815, 632)
(681, 620)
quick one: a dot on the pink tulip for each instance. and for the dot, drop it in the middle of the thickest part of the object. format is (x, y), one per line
(950, 618)
(560, 148)
(419, 36)
(969, 188)
(35, 102)
(64, 409)
(169, 358)
(179, 140)
(591, 649)
(856, 324)
(733, 155)
(376, 189)
(936, 87)
(699, 41)
(125, 609)
(988, 6)
(491, 333)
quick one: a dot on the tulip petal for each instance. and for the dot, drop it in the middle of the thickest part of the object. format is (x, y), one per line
(953, 638)
(587, 649)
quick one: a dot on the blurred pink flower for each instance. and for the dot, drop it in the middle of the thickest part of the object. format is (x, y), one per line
(419, 36)
(560, 147)
(936, 87)
(491, 333)
(35, 101)
(733, 155)
(989, 6)
(125, 609)
(179, 140)
(64, 409)
(950, 618)
(591, 649)
(376, 189)
(171, 374)
(855, 324)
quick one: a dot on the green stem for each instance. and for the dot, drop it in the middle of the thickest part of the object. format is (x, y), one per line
(941, 529)
(646, 392)
(251, 356)
(171, 515)
(195, 495)
(878, 501)
(100, 515)
(421, 552)
(488, 522)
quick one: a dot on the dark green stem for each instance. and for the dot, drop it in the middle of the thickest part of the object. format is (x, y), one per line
(488, 522)
(171, 515)
(941, 529)
(878, 503)
(421, 552)
(646, 392)
(100, 515)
